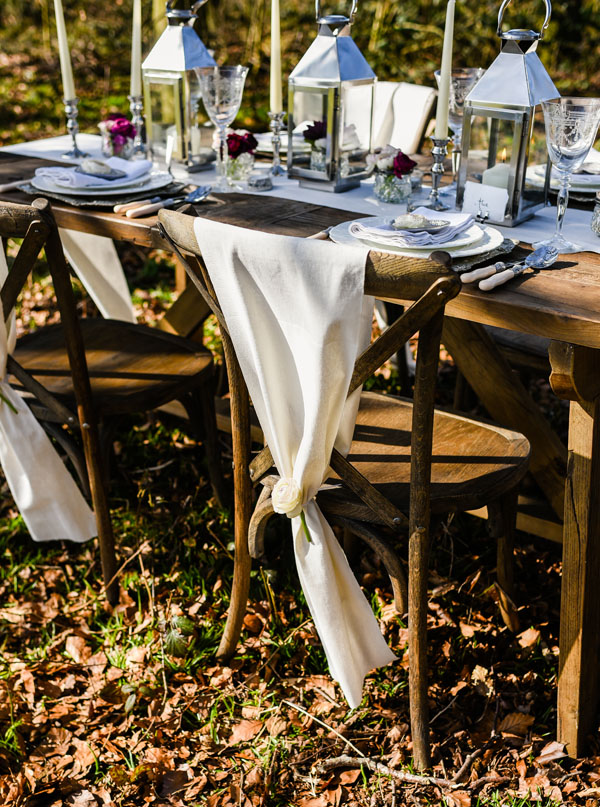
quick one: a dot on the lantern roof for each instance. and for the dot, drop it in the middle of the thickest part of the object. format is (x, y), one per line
(332, 57)
(516, 79)
(178, 48)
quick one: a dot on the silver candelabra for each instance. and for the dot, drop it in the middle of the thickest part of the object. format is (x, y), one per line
(73, 129)
(276, 125)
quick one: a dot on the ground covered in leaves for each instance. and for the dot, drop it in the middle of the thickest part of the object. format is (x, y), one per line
(128, 706)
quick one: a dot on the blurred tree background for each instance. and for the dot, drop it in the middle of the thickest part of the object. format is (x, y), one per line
(401, 40)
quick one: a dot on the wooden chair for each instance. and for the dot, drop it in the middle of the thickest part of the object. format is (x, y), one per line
(406, 457)
(101, 368)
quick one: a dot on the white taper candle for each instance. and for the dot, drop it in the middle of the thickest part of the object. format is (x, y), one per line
(64, 53)
(441, 117)
(135, 87)
(276, 99)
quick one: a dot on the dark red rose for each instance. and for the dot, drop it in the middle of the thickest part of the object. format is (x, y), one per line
(238, 144)
(402, 164)
(316, 131)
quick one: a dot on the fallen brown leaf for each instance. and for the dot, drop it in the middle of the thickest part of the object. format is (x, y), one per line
(516, 723)
(244, 731)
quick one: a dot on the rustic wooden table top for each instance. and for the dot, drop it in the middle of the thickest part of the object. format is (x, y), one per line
(562, 303)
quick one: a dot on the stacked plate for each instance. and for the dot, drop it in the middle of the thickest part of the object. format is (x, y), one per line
(47, 181)
(475, 239)
(265, 143)
(584, 183)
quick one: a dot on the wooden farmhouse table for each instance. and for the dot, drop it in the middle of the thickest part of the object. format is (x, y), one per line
(562, 304)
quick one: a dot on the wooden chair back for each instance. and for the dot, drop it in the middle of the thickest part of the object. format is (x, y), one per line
(35, 224)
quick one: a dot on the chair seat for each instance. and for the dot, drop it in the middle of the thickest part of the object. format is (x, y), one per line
(131, 367)
(473, 462)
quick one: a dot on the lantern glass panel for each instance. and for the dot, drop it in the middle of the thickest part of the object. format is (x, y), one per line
(355, 133)
(313, 106)
(164, 100)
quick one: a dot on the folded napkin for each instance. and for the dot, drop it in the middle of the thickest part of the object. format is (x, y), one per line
(69, 178)
(386, 235)
(52, 506)
(588, 174)
(298, 317)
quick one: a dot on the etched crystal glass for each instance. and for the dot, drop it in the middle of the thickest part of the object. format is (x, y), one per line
(571, 128)
(462, 82)
(221, 89)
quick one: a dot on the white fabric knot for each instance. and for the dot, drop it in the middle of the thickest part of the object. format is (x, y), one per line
(287, 497)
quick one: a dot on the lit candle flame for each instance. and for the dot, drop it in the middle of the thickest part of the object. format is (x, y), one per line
(504, 155)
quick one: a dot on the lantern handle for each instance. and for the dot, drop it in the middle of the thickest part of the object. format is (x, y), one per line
(352, 10)
(505, 3)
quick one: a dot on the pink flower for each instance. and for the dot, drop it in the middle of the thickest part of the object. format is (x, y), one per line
(118, 125)
(238, 144)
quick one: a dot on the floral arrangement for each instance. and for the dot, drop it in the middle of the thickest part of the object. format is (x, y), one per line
(392, 170)
(240, 142)
(391, 161)
(316, 134)
(118, 133)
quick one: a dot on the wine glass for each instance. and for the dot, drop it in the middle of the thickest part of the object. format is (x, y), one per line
(221, 89)
(462, 81)
(571, 127)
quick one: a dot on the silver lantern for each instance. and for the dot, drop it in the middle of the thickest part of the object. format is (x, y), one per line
(330, 108)
(171, 88)
(505, 101)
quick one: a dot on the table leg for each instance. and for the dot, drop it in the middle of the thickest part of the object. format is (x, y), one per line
(575, 376)
(506, 399)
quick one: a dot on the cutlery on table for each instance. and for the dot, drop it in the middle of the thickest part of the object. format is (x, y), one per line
(11, 186)
(197, 195)
(323, 235)
(130, 205)
(541, 258)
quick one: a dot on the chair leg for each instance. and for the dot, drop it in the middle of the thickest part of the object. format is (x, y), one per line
(502, 517)
(418, 566)
(73, 453)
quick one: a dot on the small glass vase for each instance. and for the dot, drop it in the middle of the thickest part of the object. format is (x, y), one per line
(392, 189)
(124, 151)
(318, 160)
(240, 168)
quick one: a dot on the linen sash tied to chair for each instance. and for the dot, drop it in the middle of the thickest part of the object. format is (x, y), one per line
(298, 317)
(52, 506)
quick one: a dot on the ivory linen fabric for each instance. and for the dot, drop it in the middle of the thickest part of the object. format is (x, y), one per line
(298, 317)
(52, 506)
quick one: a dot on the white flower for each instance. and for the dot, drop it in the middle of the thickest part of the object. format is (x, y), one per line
(351, 139)
(385, 164)
(287, 497)
(321, 143)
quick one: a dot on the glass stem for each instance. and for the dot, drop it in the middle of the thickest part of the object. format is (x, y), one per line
(223, 155)
(562, 200)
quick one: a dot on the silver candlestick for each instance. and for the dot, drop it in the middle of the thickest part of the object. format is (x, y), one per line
(440, 147)
(276, 126)
(72, 128)
(136, 106)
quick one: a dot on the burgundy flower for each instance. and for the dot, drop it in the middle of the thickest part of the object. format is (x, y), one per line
(238, 144)
(316, 131)
(402, 164)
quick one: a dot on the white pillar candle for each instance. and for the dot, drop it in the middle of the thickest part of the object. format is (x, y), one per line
(64, 53)
(135, 87)
(276, 100)
(441, 117)
(498, 175)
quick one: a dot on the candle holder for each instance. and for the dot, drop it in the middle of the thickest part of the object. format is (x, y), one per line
(136, 106)
(73, 128)
(276, 125)
(440, 147)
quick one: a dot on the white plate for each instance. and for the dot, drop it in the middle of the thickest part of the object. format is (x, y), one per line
(265, 143)
(537, 174)
(123, 182)
(465, 239)
(151, 182)
(490, 238)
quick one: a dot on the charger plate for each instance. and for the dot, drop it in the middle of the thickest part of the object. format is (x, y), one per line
(151, 182)
(486, 240)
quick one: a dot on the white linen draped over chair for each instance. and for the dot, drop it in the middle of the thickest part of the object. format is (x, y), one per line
(52, 506)
(401, 114)
(298, 317)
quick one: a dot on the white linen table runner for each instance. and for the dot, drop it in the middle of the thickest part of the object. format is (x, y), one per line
(52, 506)
(298, 318)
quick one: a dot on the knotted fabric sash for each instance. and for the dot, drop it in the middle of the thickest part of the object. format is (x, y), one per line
(52, 506)
(298, 317)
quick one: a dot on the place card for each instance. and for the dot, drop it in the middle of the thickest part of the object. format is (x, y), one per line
(485, 201)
